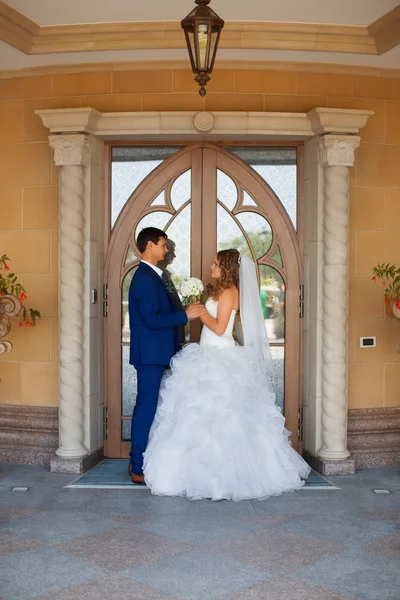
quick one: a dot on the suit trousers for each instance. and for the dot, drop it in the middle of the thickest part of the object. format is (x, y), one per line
(148, 387)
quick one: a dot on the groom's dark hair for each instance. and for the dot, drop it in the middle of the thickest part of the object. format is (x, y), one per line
(149, 234)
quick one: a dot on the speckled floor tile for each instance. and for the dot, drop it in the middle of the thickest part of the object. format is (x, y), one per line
(284, 588)
(122, 549)
(276, 551)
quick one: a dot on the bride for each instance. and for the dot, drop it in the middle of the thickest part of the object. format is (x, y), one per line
(217, 432)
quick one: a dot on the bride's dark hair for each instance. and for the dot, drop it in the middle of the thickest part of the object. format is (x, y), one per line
(229, 265)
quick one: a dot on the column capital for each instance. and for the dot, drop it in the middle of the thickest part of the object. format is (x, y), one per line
(337, 150)
(70, 149)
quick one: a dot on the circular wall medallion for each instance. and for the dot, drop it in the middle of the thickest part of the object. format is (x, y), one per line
(203, 121)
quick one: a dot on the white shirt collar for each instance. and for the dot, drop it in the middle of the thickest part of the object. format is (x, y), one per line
(156, 269)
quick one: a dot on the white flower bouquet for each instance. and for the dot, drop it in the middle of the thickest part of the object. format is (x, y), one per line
(191, 291)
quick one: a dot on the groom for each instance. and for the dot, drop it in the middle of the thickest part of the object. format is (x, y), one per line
(154, 325)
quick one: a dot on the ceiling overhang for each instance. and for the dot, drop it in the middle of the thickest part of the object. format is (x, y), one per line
(32, 39)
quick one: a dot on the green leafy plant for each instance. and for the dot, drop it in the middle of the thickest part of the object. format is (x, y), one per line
(9, 284)
(389, 275)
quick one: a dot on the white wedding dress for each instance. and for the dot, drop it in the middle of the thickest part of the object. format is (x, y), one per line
(218, 433)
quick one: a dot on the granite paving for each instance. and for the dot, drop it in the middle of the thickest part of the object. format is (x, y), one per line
(320, 543)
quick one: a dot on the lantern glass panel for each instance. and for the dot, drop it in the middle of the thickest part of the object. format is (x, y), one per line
(202, 34)
(213, 49)
(192, 48)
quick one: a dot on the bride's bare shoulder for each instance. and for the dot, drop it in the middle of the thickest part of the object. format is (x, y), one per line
(230, 296)
(230, 291)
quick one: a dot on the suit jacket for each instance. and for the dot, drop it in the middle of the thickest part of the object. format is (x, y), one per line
(154, 320)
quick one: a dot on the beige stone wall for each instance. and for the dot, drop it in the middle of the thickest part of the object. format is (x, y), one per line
(29, 217)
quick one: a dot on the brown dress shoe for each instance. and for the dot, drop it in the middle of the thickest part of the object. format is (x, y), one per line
(137, 478)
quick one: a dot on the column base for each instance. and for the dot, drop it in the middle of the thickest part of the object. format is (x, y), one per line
(331, 467)
(75, 466)
(334, 455)
(71, 454)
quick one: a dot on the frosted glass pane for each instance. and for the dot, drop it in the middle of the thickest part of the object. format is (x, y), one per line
(176, 264)
(157, 219)
(129, 167)
(226, 190)
(259, 231)
(278, 358)
(177, 261)
(277, 256)
(130, 256)
(278, 167)
(159, 200)
(283, 180)
(125, 177)
(248, 200)
(229, 234)
(125, 309)
(126, 429)
(129, 384)
(272, 296)
(181, 190)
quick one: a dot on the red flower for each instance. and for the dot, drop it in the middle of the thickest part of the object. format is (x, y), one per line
(397, 304)
(386, 300)
(20, 324)
(1, 294)
(383, 282)
(6, 267)
(23, 296)
(373, 278)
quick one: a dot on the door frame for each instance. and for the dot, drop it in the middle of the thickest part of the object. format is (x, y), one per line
(77, 139)
(207, 157)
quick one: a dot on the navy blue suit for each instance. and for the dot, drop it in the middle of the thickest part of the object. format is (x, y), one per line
(154, 325)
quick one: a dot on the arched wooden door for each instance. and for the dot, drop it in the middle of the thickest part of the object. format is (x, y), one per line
(207, 198)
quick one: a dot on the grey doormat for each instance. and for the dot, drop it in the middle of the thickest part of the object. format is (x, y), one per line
(112, 474)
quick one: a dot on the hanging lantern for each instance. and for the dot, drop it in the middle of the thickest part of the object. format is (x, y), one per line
(202, 29)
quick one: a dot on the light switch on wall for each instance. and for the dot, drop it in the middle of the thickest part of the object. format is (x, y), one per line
(367, 342)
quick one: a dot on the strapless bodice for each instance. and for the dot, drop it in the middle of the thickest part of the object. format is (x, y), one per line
(209, 338)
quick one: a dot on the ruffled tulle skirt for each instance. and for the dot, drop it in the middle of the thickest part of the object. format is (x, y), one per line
(218, 433)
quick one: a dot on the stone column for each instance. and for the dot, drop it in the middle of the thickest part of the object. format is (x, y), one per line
(72, 154)
(336, 153)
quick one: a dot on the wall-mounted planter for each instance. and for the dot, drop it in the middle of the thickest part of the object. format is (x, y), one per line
(391, 309)
(9, 307)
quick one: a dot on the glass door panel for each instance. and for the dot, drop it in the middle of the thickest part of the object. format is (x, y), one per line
(278, 167)
(272, 289)
(229, 234)
(258, 230)
(227, 192)
(181, 190)
(129, 167)
(242, 224)
(177, 261)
